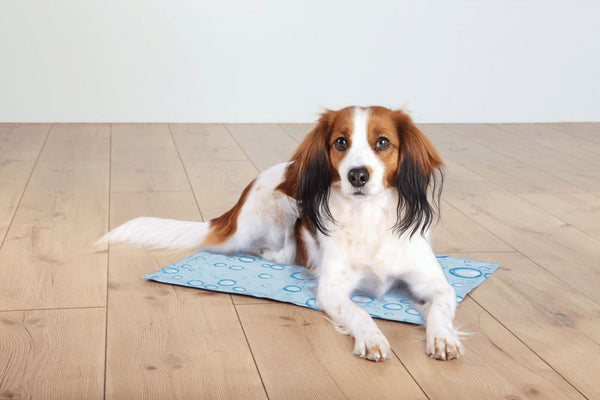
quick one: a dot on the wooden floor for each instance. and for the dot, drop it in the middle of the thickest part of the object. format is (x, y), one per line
(78, 322)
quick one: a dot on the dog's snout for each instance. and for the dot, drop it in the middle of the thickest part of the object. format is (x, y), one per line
(358, 177)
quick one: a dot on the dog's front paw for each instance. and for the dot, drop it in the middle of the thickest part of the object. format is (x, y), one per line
(444, 347)
(373, 346)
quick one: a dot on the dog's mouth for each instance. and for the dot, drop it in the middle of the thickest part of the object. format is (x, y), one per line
(359, 192)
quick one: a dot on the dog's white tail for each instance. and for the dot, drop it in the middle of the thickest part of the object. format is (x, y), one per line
(159, 233)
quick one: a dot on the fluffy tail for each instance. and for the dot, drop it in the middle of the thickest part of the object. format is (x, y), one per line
(159, 233)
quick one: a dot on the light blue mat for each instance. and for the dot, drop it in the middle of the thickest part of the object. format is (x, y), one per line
(257, 277)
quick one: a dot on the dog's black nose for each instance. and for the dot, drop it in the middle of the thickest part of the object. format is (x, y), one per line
(358, 177)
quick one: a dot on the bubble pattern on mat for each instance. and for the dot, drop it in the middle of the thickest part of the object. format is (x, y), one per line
(254, 276)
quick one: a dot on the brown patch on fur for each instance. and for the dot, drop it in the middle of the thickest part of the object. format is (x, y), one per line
(224, 227)
(343, 126)
(319, 141)
(381, 124)
(414, 142)
(301, 255)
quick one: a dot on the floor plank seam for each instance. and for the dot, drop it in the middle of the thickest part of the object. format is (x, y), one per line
(241, 148)
(559, 218)
(249, 347)
(529, 348)
(107, 260)
(482, 227)
(187, 175)
(411, 375)
(12, 218)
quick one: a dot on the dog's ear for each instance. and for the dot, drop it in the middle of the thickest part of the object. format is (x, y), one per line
(420, 166)
(311, 171)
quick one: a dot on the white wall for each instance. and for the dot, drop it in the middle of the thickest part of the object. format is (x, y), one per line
(281, 61)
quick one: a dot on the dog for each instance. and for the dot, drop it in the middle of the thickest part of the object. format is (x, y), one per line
(354, 205)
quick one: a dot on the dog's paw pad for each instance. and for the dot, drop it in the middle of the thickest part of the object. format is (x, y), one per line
(447, 348)
(373, 347)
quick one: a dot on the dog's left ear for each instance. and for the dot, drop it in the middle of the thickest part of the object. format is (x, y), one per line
(420, 166)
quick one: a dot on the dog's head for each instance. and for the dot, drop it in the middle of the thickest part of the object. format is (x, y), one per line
(367, 151)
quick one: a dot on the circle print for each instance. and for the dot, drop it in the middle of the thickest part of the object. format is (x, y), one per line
(211, 287)
(357, 298)
(239, 289)
(195, 283)
(301, 276)
(266, 285)
(236, 268)
(412, 311)
(246, 259)
(220, 265)
(277, 267)
(169, 270)
(392, 306)
(465, 272)
(458, 284)
(265, 276)
(312, 303)
(227, 282)
(177, 276)
(292, 288)
(200, 258)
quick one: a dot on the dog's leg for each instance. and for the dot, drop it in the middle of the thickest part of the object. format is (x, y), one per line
(427, 282)
(336, 285)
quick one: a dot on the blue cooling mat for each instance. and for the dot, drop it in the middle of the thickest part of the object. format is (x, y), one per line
(257, 277)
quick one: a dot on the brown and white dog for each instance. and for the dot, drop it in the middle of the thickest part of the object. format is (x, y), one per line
(354, 205)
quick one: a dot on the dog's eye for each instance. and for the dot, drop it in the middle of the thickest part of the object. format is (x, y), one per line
(341, 143)
(382, 143)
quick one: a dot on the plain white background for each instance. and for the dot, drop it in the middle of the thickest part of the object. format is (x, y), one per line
(283, 61)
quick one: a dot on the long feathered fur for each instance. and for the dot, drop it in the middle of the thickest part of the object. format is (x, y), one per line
(158, 233)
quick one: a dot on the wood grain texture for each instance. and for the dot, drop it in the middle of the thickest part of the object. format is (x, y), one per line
(52, 354)
(205, 142)
(555, 320)
(580, 210)
(496, 364)
(506, 171)
(48, 259)
(561, 249)
(172, 342)
(523, 195)
(264, 144)
(300, 355)
(455, 232)
(144, 159)
(20, 146)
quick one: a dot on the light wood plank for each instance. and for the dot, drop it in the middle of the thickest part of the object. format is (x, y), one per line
(508, 172)
(518, 145)
(218, 184)
(15, 169)
(455, 232)
(205, 142)
(543, 137)
(561, 249)
(496, 364)
(292, 341)
(265, 144)
(23, 136)
(297, 131)
(555, 321)
(144, 158)
(582, 210)
(164, 341)
(48, 259)
(52, 354)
